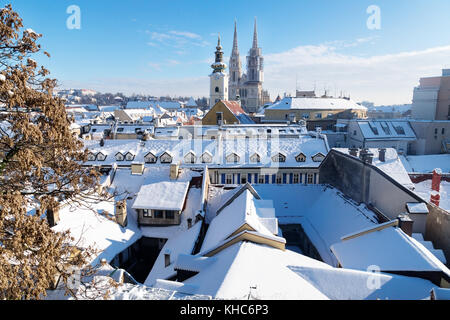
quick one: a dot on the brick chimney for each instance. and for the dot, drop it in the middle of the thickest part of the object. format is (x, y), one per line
(436, 187)
(366, 156)
(121, 213)
(406, 224)
(353, 152)
(382, 154)
(436, 180)
(174, 171)
(435, 198)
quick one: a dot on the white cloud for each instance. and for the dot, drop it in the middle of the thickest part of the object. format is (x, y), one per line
(383, 79)
(186, 34)
(176, 39)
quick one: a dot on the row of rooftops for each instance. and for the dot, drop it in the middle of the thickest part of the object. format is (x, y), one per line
(244, 248)
(306, 151)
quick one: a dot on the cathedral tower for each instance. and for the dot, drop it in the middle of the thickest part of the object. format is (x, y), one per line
(218, 79)
(255, 61)
(235, 68)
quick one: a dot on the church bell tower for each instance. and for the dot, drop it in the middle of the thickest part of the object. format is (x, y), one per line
(218, 79)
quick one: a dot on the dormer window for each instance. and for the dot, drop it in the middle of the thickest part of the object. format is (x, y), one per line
(150, 158)
(101, 157)
(120, 157)
(279, 158)
(190, 158)
(129, 156)
(301, 158)
(233, 158)
(318, 157)
(206, 157)
(255, 158)
(166, 158)
(92, 156)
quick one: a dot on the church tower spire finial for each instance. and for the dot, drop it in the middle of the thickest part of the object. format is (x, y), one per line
(235, 39)
(255, 36)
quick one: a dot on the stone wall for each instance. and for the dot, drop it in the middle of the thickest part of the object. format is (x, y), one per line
(367, 184)
(438, 229)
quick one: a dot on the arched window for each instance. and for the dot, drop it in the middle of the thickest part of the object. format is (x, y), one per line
(217, 89)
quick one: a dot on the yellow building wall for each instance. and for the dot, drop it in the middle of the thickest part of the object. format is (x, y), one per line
(210, 118)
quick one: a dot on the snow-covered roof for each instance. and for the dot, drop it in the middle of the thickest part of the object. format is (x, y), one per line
(151, 111)
(236, 109)
(292, 103)
(390, 249)
(418, 207)
(151, 104)
(193, 263)
(183, 243)
(346, 284)
(291, 147)
(392, 166)
(162, 132)
(241, 211)
(94, 226)
(166, 195)
(191, 103)
(102, 277)
(427, 163)
(423, 190)
(248, 270)
(318, 209)
(382, 130)
(109, 108)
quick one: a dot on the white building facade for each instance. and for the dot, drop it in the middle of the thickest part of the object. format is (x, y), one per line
(218, 79)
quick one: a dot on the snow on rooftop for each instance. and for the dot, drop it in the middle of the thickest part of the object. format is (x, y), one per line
(419, 207)
(379, 129)
(238, 213)
(390, 249)
(346, 284)
(191, 103)
(290, 103)
(318, 208)
(393, 166)
(95, 226)
(193, 206)
(427, 163)
(183, 243)
(245, 148)
(166, 195)
(423, 190)
(153, 104)
(193, 263)
(248, 270)
(165, 290)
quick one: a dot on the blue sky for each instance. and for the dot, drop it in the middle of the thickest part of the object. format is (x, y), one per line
(165, 47)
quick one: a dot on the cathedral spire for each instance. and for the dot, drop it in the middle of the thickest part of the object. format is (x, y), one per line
(235, 40)
(255, 36)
